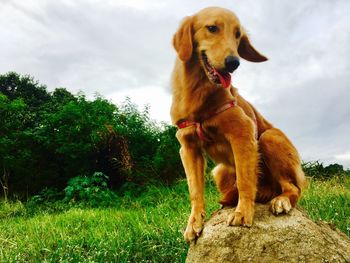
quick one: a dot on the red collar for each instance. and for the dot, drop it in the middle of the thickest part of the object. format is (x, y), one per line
(183, 123)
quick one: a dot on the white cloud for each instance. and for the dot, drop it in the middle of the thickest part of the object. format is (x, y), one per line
(345, 156)
(158, 98)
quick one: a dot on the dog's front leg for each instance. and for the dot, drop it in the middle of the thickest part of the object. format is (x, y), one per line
(193, 163)
(245, 150)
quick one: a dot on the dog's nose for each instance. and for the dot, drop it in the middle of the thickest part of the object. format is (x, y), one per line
(231, 63)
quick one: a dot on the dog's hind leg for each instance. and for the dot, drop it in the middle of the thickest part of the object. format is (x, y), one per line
(225, 180)
(284, 165)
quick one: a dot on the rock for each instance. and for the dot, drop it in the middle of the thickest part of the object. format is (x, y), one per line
(284, 238)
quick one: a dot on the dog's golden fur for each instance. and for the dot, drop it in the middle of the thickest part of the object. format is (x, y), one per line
(256, 162)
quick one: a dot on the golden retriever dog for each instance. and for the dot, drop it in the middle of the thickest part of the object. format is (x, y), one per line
(256, 162)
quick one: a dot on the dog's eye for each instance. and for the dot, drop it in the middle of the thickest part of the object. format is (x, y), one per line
(212, 29)
(238, 34)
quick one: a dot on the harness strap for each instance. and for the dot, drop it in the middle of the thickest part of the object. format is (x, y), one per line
(185, 123)
(199, 129)
(201, 133)
(224, 107)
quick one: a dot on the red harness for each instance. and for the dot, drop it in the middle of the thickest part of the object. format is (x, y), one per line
(199, 130)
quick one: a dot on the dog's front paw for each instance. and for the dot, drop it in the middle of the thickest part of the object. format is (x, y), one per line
(243, 215)
(194, 226)
(280, 204)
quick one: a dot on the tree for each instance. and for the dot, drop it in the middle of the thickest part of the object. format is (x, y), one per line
(48, 138)
(31, 92)
(12, 132)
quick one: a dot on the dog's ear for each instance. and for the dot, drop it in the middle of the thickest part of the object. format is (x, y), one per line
(248, 52)
(182, 39)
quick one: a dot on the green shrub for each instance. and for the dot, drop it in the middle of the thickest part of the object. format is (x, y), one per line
(167, 160)
(91, 190)
(318, 170)
(47, 195)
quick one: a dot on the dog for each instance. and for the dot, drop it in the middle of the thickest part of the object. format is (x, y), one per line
(256, 162)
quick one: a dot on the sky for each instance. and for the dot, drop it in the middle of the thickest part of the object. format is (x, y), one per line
(123, 48)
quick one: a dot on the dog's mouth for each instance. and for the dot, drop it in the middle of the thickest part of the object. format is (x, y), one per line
(217, 77)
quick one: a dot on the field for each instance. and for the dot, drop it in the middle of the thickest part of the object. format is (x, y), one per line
(147, 228)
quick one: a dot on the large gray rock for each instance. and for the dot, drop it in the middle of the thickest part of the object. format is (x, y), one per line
(284, 238)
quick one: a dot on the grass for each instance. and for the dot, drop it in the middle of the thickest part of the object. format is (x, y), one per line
(329, 200)
(147, 228)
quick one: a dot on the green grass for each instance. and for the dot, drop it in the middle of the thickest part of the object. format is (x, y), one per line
(147, 228)
(329, 200)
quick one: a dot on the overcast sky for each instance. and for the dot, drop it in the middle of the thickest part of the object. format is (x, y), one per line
(123, 48)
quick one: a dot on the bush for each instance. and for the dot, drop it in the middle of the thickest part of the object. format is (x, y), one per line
(91, 190)
(317, 170)
(47, 195)
(167, 158)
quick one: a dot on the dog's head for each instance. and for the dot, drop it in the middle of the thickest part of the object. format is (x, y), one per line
(216, 38)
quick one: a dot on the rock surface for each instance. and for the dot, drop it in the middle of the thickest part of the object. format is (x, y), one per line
(284, 238)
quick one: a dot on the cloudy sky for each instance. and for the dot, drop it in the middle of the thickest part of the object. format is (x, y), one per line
(123, 48)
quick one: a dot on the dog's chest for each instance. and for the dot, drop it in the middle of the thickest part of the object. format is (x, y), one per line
(219, 151)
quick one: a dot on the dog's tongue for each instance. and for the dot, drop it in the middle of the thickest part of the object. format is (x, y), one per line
(225, 78)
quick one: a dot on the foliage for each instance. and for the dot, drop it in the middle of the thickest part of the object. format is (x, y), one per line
(318, 170)
(91, 190)
(46, 195)
(48, 138)
(33, 94)
(167, 158)
(143, 140)
(13, 153)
